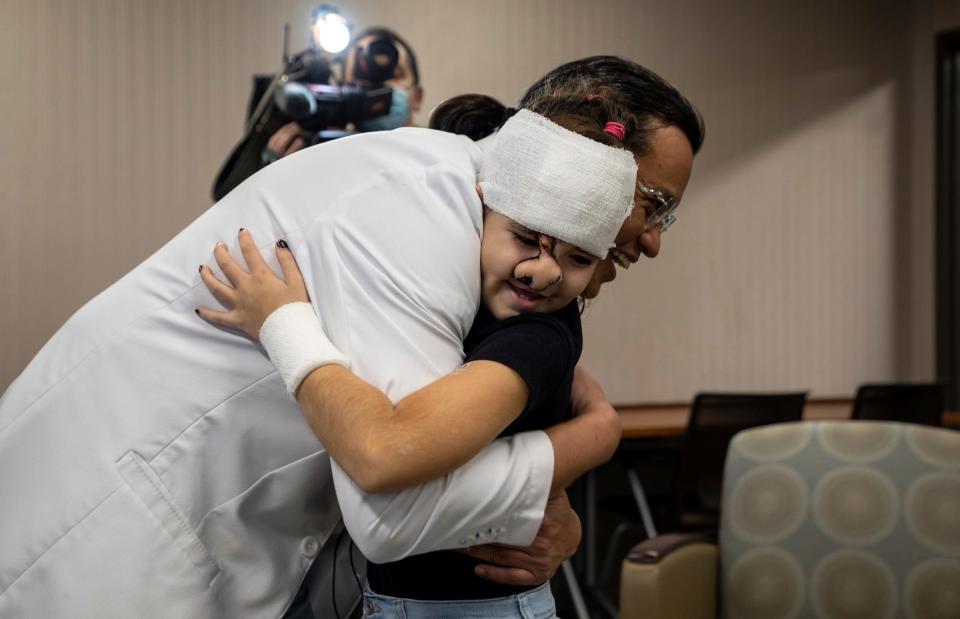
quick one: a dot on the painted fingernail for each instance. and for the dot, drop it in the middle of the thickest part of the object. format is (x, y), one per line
(197, 311)
(282, 244)
(201, 268)
(242, 229)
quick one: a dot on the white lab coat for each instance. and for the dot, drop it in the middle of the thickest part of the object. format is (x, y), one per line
(152, 465)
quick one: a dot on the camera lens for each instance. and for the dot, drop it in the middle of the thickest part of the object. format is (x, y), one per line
(376, 61)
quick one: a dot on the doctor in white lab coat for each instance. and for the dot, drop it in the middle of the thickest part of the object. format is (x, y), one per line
(153, 466)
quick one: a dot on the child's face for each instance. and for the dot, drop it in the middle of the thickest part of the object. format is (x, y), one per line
(522, 271)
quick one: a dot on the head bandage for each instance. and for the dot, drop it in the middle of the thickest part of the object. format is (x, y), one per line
(558, 182)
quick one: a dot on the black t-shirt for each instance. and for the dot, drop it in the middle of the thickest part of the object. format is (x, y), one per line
(543, 349)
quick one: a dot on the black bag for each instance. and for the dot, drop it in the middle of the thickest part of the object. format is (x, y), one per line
(246, 158)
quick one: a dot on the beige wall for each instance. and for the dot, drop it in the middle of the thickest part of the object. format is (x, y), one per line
(802, 257)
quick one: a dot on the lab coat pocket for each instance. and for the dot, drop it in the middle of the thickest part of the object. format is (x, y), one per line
(149, 488)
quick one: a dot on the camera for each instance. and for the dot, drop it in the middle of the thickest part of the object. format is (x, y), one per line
(314, 90)
(317, 103)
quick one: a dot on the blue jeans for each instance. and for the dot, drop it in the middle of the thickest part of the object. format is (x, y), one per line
(534, 604)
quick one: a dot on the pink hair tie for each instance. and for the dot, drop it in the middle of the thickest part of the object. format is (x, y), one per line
(615, 129)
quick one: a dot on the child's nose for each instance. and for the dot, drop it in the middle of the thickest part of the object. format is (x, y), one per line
(539, 273)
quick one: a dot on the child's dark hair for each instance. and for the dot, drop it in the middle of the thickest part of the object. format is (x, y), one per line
(475, 116)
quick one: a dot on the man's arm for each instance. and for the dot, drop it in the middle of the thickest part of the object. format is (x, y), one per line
(578, 446)
(556, 541)
(499, 496)
(389, 527)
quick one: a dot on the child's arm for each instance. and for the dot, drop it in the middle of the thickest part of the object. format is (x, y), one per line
(438, 428)
(590, 438)
(429, 433)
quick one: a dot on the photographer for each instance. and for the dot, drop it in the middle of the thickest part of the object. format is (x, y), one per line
(376, 58)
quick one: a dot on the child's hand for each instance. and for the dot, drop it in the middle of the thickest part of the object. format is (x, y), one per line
(254, 294)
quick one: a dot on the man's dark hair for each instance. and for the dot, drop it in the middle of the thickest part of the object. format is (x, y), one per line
(645, 94)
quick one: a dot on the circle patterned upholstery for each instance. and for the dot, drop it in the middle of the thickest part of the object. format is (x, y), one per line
(780, 441)
(932, 590)
(768, 583)
(935, 448)
(841, 519)
(769, 504)
(855, 505)
(850, 583)
(859, 442)
(933, 511)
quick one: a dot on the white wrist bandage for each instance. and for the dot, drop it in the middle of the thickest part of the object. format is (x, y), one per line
(296, 343)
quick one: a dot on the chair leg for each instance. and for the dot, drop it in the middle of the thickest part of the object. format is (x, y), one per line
(641, 498)
(590, 529)
(615, 538)
(599, 588)
(575, 594)
(605, 605)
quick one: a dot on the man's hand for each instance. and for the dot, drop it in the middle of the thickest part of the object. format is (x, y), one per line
(556, 541)
(285, 141)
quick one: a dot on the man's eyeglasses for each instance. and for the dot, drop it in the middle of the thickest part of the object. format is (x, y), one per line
(664, 207)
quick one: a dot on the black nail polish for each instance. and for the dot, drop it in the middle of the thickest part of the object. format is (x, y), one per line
(282, 244)
(197, 311)
(242, 229)
(201, 268)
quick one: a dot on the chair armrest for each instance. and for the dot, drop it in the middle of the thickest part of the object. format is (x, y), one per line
(671, 576)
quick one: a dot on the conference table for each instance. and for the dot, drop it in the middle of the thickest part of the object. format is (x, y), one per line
(651, 421)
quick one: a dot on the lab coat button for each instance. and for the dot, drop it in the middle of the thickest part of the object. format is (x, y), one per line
(309, 547)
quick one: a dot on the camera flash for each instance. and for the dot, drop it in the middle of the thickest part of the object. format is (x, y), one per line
(331, 32)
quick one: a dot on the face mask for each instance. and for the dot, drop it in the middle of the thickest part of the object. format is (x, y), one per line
(396, 117)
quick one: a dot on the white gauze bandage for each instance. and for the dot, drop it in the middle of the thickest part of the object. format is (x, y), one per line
(296, 343)
(557, 182)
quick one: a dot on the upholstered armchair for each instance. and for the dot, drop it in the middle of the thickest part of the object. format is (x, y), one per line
(818, 519)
